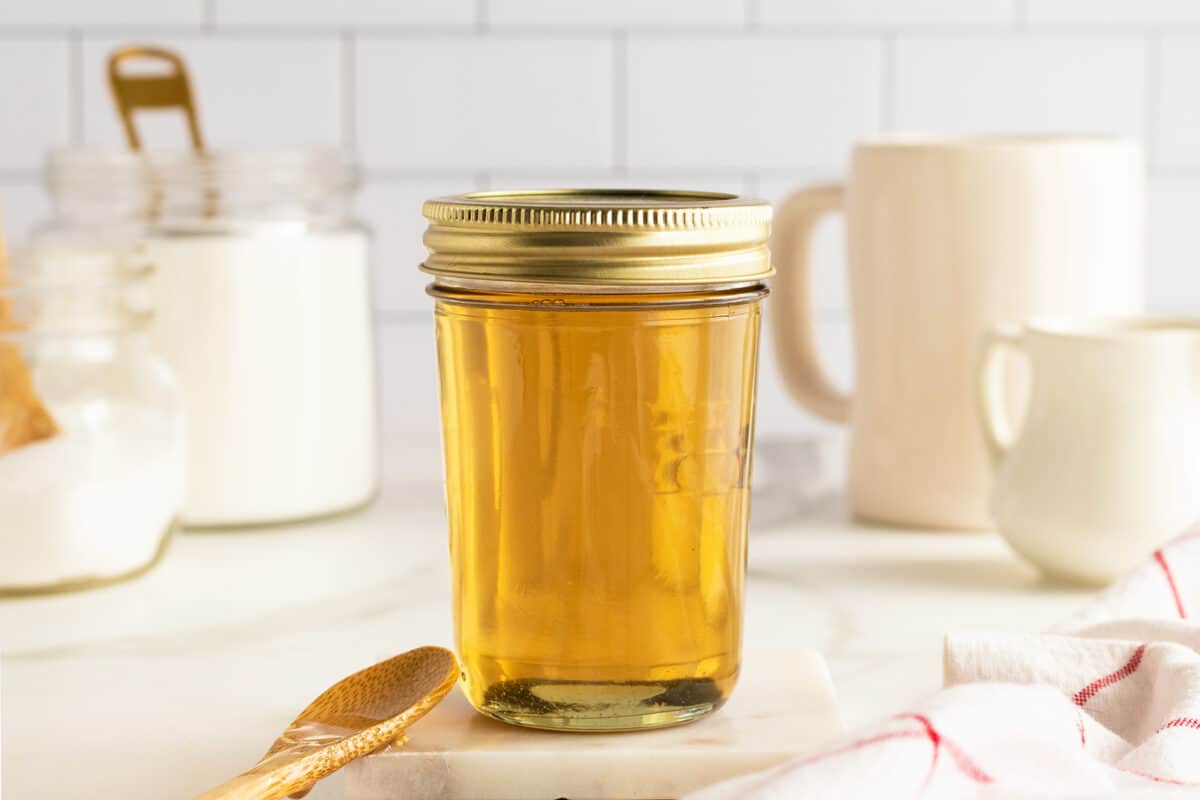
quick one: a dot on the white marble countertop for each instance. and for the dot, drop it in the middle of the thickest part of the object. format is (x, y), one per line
(168, 685)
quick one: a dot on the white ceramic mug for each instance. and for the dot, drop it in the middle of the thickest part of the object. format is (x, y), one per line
(1106, 466)
(946, 238)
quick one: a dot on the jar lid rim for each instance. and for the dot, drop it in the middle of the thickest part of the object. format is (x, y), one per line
(598, 208)
(599, 237)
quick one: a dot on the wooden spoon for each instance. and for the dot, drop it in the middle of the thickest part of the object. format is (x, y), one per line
(353, 718)
(24, 419)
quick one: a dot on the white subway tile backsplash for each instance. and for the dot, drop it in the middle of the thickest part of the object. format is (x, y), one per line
(1112, 12)
(778, 414)
(408, 388)
(77, 13)
(34, 96)
(494, 103)
(888, 12)
(393, 212)
(617, 12)
(1173, 279)
(23, 205)
(750, 102)
(743, 96)
(1178, 124)
(345, 12)
(249, 92)
(1020, 84)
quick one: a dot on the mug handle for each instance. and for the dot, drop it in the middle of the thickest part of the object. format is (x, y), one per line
(999, 428)
(792, 319)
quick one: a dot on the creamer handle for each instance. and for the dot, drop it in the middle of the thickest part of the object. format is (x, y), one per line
(994, 416)
(792, 313)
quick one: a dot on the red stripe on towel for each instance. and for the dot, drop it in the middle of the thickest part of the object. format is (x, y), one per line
(1180, 722)
(1082, 732)
(961, 760)
(935, 739)
(1166, 568)
(1088, 692)
(966, 765)
(848, 748)
(859, 745)
(1155, 778)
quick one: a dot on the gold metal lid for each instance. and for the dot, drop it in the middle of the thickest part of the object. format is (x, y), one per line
(599, 238)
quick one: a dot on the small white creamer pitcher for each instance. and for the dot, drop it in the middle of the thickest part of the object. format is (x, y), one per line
(1106, 465)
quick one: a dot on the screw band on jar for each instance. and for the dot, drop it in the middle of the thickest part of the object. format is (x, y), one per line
(603, 239)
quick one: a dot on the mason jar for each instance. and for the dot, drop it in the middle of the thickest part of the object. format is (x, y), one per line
(597, 353)
(91, 450)
(261, 284)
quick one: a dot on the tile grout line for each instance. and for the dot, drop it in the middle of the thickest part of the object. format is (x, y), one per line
(1177, 172)
(887, 82)
(748, 28)
(399, 318)
(620, 103)
(75, 86)
(18, 176)
(402, 175)
(1153, 101)
(1020, 12)
(482, 17)
(483, 25)
(349, 92)
(752, 15)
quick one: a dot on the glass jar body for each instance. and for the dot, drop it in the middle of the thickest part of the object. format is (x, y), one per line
(262, 290)
(598, 455)
(96, 501)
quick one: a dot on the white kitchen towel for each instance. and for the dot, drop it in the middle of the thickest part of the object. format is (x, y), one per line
(1105, 704)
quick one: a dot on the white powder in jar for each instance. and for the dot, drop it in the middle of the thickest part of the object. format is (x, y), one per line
(87, 504)
(268, 331)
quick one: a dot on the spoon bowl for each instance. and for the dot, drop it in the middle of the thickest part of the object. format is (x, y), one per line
(355, 717)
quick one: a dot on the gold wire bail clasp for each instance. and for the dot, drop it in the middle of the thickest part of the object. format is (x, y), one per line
(132, 92)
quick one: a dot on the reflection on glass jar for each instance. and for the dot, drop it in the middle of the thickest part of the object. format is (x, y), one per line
(597, 446)
(95, 499)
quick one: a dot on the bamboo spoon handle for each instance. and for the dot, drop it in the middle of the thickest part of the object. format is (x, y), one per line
(272, 780)
(291, 772)
(243, 787)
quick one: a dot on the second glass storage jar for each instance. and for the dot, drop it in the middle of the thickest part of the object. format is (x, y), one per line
(598, 355)
(91, 452)
(261, 285)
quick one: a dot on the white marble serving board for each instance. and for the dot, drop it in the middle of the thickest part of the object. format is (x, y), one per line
(783, 705)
